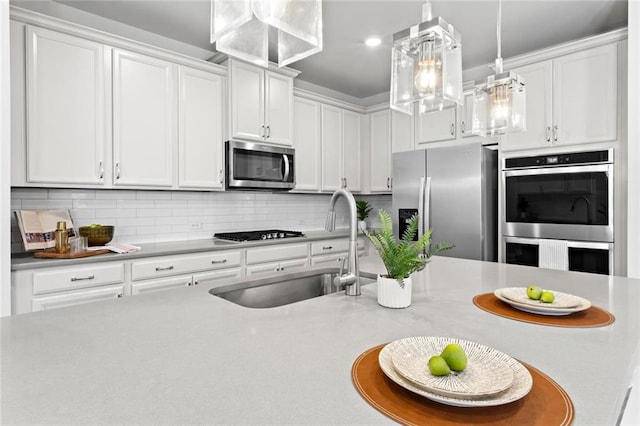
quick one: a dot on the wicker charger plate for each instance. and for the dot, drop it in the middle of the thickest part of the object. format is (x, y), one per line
(592, 317)
(408, 408)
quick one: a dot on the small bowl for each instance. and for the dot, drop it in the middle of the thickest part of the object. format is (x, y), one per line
(97, 235)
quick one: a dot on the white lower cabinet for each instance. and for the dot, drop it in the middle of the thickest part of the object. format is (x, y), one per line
(161, 284)
(206, 278)
(329, 260)
(282, 266)
(278, 258)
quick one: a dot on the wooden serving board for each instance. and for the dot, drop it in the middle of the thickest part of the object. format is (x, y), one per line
(52, 254)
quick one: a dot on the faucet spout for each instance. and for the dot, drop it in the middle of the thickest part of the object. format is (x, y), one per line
(351, 279)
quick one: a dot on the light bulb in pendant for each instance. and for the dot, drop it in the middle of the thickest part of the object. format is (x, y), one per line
(427, 77)
(500, 105)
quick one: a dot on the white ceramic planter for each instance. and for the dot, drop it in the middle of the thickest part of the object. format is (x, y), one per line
(392, 295)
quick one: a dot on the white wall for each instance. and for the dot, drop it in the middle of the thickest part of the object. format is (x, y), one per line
(633, 226)
(5, 156)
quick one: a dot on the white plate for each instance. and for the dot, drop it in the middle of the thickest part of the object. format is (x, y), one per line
(584, 304)
(522, 383)
(487, 372)
(561, 300)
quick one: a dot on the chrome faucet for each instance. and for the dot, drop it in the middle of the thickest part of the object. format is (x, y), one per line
(351, 279)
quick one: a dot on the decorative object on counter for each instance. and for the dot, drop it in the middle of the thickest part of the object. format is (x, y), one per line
(78, 245)
(499, 106)
(241, 29)
(426, 66)
(97, 235)
(62, 237)
(38, 227)
(401, 259)
(364, 208)
(407, 406)
(51, 254)
(592, 317)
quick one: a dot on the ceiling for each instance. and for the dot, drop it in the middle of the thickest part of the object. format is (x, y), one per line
(348, 66)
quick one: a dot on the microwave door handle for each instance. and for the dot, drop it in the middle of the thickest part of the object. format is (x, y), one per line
(285, 162)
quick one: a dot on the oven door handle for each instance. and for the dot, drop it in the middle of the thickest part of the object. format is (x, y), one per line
(285, 163)
(559, 170)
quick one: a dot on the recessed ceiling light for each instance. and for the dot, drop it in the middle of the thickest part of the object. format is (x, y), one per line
(372, 41)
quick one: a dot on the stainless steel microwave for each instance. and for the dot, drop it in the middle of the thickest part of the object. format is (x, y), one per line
(254, 166)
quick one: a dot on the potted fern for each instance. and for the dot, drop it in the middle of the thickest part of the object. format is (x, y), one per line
(401, 258)
(363, 209)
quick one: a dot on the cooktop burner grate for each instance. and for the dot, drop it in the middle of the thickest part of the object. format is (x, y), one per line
(268, 234)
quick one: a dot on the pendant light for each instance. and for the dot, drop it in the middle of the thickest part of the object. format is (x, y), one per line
(426, 66)
(240, 28)
(499, 105)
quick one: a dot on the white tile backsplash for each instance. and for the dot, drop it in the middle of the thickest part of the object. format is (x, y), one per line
(157, 216)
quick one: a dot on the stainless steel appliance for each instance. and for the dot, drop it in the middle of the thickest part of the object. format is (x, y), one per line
(454, 192)
(254, 166)
(267, 234)
(559, 211)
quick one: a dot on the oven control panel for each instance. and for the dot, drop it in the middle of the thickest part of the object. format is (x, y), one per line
(573, 158)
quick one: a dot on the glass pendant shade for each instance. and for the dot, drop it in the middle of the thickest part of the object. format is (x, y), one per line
(240, 28)
(426, 67)
(499, 106)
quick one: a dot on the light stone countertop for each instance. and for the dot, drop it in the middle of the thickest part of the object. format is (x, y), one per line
(185, 357)
(23, 261)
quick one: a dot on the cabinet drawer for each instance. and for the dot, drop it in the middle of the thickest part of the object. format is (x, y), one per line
(278, 252)
(163, 284)
(329, 246)
(176, 265)
(77, 297)
(68, 278)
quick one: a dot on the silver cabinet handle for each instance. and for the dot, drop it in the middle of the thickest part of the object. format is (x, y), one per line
(462, 127)
(327, 247)
(453, 129)
(264, 132)
(268, 132)
(389, 183)
(221, 175)
(119, 295)
(90, 277)
(101, 170)
(168, 268)
(218, 261)
(548, 133)
(555, 133)
(196, 283)
(117, 170)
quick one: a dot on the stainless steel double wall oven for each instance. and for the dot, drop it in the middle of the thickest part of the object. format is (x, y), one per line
(566, 198)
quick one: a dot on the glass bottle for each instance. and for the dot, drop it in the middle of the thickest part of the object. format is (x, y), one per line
(62, 238)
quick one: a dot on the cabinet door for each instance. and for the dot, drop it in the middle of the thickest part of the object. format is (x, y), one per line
(79, 297)
(278, 108)
(402, 132)
(163, 284)
(436, 126)
(247, 101)
(466, 115)
(380, 162)
(585, 96)
(351, 150)
(537, 78)
(200, 129)
(306, 138)
(329, 260)
(65, 108)
(143, 120)
(217, 276)
(332, 177)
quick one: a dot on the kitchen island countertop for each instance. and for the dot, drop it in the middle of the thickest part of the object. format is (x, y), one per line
(185, 357)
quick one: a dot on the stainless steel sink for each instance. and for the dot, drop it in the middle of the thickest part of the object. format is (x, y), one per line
(273, 291)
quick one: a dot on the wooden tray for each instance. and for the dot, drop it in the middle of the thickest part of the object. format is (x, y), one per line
(546, 404)
(51, 254)
(592, 317)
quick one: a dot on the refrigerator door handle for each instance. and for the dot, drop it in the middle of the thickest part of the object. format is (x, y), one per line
(427, 201)
(421, 192)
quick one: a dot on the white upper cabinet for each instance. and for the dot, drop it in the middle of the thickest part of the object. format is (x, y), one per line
(306, 138)
(436, 126)
(465, 115)
(570, 100)
(380, 149)
(144, 120)
(261, 104)
(402, 132)
(340, 149)
(65, 78)
(200, 129)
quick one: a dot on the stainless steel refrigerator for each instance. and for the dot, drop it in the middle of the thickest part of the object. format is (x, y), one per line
(454, 190)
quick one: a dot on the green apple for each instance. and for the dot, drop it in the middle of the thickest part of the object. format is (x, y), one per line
(438, 366)
(534, 292)
(454, 356)
(547, 297)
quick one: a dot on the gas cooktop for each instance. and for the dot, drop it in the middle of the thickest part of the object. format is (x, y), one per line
(269, 234)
